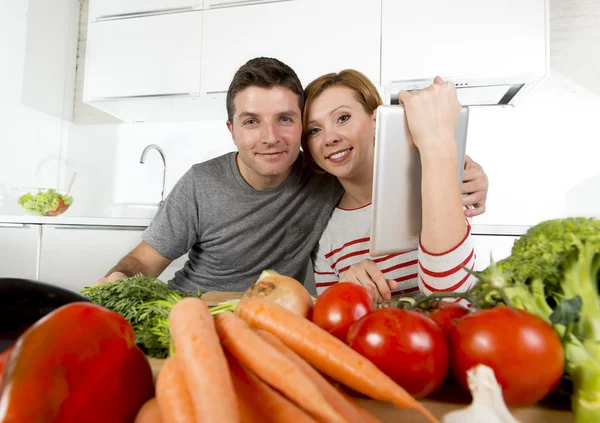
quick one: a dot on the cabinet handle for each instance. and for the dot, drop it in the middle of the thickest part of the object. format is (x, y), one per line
(100, 99)
(146, 14)
(234, 3)
(98, 227)
(14, 225)
(216, 92)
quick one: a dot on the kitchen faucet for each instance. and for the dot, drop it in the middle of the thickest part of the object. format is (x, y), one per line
(162, 155)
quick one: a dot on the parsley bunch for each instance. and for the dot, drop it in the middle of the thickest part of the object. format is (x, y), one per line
(145, 303)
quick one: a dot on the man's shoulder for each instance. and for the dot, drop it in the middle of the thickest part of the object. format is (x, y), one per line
(212, 166)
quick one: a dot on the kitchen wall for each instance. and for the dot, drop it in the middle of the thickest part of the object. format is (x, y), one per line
(541, 157)
(37, 66)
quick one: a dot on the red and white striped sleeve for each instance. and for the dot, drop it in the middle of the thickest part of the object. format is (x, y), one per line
(443, 272)
(324, 275)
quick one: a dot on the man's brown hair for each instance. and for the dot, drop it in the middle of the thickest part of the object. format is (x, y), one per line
(263, 72)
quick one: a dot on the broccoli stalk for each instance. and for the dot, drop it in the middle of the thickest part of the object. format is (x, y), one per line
(553, 272)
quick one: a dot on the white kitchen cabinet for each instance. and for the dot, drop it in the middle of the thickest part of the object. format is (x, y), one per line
(462, 38)
(499, 246)
(114, 9)
(147, 56)
(74, 256)
(19, 246)
(312, 36)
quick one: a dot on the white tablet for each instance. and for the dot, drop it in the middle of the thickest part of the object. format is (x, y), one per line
(396, 218)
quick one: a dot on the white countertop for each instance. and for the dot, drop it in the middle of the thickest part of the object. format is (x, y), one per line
(117, 214)
(76, 220)
(508, 230)
(502, 230)
(140, 215)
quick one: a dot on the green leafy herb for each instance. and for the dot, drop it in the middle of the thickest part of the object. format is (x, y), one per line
(145, 302)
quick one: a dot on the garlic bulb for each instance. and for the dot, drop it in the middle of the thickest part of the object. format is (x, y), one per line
(488, 404)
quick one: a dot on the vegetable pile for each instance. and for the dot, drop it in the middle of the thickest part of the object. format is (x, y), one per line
(538, 311)
(263, 363)
(146, 303)
(553, 272)
(417, 342)
(274, 356)
(49, 203)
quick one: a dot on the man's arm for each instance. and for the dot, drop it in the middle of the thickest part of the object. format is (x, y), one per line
(474, 188)
(143, 259)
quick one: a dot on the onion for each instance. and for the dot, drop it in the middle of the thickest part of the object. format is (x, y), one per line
(283, 290)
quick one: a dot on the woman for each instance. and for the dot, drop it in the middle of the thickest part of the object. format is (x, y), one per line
(339, 131)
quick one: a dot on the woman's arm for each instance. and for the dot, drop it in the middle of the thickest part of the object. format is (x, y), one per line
(445, 272)
(432, 114)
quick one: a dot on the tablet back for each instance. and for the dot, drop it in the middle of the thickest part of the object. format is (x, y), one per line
(396, 219)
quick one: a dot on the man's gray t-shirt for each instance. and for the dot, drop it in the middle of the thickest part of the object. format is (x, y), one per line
(233, 232)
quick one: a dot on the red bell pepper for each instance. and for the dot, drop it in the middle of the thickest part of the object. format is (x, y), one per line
(77, 364)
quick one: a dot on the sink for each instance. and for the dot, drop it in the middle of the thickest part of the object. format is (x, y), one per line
(132, 210)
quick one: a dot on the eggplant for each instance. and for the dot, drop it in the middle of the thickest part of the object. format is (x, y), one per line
(24, 301)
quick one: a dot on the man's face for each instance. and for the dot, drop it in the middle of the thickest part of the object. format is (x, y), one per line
(266, 128)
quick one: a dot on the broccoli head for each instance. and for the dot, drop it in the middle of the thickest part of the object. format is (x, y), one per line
(550, 250)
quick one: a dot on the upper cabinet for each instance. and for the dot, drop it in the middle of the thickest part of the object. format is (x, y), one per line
(147, 56)
(312, 36)
(111, 9)
(499, 48)
(150, 60)
(465, 38)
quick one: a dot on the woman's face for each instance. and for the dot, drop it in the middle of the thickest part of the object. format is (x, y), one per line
(341, 134)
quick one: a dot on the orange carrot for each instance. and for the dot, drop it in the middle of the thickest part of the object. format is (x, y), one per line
(259, 403)
(365, 414)
(326, 353)
(174, 400)
(272, 366)
(202, 362)
(332, 395)
(149, 413)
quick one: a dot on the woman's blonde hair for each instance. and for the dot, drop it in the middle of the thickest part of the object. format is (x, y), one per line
(364, 92)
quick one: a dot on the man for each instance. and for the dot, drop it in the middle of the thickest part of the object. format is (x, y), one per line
(255, 209)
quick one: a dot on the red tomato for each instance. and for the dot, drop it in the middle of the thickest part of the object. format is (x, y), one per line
(407, 346)
(523, 350)
(340, 306)
(447, 314)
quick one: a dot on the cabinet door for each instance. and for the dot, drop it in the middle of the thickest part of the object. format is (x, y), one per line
(19, 245)
(499, 246)
(73, 257)
(106, 9)
(314, 37)
(462, 38)
(154, 55)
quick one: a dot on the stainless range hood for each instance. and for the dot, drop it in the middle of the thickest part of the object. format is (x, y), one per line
(492, 91)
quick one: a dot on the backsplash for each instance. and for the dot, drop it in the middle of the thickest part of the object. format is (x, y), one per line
(107, 159)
